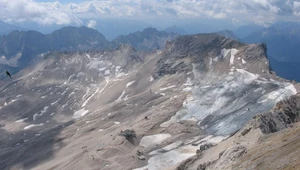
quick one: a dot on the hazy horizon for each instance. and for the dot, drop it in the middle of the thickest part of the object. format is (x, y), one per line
(133, 15)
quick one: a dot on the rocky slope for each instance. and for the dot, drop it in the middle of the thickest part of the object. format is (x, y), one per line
(124, 109)
(268, 141)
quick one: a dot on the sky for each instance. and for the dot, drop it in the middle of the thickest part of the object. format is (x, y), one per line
(46, 12)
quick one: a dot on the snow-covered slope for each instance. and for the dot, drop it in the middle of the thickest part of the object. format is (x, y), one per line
(67, 111)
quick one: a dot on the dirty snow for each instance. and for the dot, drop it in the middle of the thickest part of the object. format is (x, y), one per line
(171, 158)
(153, 140)
(130, 83)
(80, 113)
(173, 154)
(33, 125)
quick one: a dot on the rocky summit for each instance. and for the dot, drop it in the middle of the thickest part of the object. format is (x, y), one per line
(196, 104)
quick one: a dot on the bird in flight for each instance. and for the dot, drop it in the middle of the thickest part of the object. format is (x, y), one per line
(8, 74)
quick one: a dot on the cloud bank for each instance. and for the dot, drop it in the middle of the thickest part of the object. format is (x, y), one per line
(238, 11)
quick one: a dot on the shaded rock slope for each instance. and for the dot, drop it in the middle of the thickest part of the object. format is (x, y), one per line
(68, 111)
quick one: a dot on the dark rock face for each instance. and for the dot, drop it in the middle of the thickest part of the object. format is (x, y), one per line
(206, 146)
(282, 116)
(180, 53)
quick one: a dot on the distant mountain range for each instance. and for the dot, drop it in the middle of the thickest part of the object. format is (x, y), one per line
(6, 28)
(19, 48)
(148, 39)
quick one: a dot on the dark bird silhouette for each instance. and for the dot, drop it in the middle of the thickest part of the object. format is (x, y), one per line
(8, 73)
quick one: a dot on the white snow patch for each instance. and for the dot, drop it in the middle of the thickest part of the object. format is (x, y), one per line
(117, 123)
(153, 140)
(71, 94)
(188, 82)
(102, 69)
(37, 135)
(87, 92)
(80, 113)
(239, 58)
(163, 94)
(35, 116)
(21, 120)
(166, 88)
(87, 100)
(107, 72)
(210, 61)
(52, 114)
(126, 98)
(44, 110)
(129, 84)
(43, 96)
(291, 88)
(282, 93)
(151, 79)
(118, 72)
(187, 89)
(19, 95)
(121, 96)
(243, 61)
(248, 77)
(55, 102)
(33, 125)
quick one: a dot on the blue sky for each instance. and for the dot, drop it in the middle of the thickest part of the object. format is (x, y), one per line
(64, 12)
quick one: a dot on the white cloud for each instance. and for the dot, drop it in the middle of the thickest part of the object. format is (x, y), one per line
(92, 23)
(258, 11)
